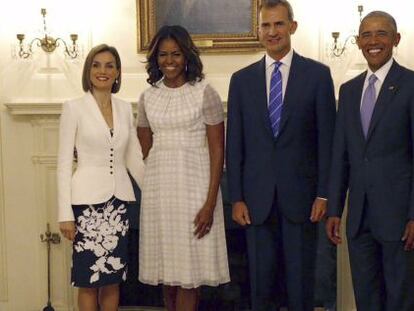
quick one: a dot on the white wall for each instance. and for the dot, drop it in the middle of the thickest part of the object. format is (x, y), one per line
(114, 22)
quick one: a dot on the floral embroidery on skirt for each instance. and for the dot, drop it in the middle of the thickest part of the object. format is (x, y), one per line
(100, 248)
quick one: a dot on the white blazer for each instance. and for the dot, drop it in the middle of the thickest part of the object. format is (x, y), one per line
(101, 170)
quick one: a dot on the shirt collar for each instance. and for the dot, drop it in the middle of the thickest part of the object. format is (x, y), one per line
(382, 72)
(286, 60)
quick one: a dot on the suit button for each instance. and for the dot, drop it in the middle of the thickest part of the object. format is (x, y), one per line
(111, 161)
(112, 149)
(112, 154)
(111, 173)
(111, 166)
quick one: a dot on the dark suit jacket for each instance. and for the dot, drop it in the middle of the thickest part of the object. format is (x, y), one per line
(381, 166)
(296, 163)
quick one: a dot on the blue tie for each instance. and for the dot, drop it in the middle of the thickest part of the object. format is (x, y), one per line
(275, 99)
(368, 104)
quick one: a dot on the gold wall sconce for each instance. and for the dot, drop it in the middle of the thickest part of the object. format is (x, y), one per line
(47, 43)
(338, 48)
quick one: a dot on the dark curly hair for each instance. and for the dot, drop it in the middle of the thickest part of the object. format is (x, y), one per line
(194, 66)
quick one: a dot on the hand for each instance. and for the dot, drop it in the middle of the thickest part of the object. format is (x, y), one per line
(204, 220)
(333, 230)
(67, 228)
(318, 210)
(240, 213)
(409, 236)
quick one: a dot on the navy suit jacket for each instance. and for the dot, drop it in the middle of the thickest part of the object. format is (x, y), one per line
(380, 167)
(294, 167)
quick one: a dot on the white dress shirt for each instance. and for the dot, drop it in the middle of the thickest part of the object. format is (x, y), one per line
(381, 74)
(284, 70)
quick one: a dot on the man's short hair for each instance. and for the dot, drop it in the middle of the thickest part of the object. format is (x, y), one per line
(383, 14)
(266, 4)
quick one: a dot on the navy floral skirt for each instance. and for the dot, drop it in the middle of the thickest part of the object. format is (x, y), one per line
(100, 248)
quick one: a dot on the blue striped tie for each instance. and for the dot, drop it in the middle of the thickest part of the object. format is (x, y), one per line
(275, 99)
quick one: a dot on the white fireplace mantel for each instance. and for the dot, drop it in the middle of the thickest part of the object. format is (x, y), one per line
(33, 109)
(39, 108)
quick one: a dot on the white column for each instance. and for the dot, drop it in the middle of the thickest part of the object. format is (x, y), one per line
(3, 266)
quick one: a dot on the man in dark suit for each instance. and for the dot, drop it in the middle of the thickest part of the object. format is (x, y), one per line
(373, 158)
(281, 114)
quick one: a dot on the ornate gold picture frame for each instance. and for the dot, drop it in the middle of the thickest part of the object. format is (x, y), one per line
(215, 25)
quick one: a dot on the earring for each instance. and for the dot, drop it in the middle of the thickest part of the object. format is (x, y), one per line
(186, 68)
(116, 81)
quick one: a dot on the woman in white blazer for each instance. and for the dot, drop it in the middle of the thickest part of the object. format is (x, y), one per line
(92, 197)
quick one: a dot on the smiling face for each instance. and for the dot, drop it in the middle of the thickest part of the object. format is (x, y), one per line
(171, 62)
(377, 38)
(275, 30)
(103, 71)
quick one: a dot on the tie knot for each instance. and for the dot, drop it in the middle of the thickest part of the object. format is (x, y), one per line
(277, 65)
(372, 79)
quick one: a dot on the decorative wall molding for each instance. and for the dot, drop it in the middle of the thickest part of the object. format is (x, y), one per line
(3, 265)
(38, 125)
(51, 109)
(62, 293)
(34, 108)
(37, 109)
(44, 157)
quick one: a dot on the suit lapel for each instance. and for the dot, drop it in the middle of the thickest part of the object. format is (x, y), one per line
(259, 82)
(385, 97)
(96, 114)
(294, 84)
(355, 101)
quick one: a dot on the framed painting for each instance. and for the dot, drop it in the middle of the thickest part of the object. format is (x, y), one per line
(215, 25)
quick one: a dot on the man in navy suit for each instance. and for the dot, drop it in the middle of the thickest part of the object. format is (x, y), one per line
(373, 157)
(278, 175)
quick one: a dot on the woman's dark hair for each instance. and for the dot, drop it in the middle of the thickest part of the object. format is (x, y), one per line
(86, 75)
(194, 66)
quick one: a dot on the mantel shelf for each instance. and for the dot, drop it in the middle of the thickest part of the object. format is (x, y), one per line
(34, 108)
(38, 109)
